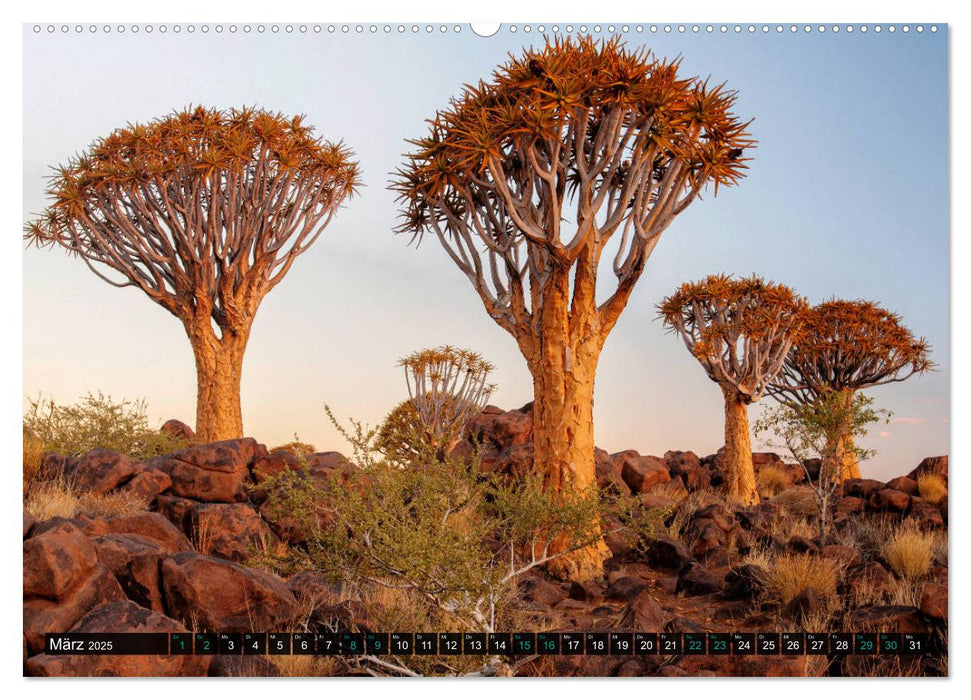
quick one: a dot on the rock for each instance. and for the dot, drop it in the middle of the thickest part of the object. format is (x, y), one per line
(697, 480)
(641, 473)
(745, 582)
(803, 606)
(223, 596)
(177, 510)
(681, 463)
(608, 473)
(733, 611)
(846, 556)
(625, 588)
(936, 466)
(101, 470)
(851, 504)
(933, 601)
(516, 460)
(889, 500)
(177, 429)
(695, 579)
(314, 586)
(54, 465)
(148, 484)
(275, 463)
(644, 613)
(134, 562)
(667, 553)
(887, 618)
(322, 466)
(927, 514)
(215, 473)
(55, 561)
(869, 582)
(861, 488)
(42, 615)
(513, 427)
(539, 590)
(715, 557)
(583, 590)
(903, 483)
(230, 531)
(655, 500)
(120, 616)
(29, 521)
(153, 526)
(802, 545)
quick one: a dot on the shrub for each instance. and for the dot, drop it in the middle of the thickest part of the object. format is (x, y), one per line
(33, 454)
(799, 502)
(932, 488)
(772, 480)
(300, 450)
(790, 575)
(910, 552)
(96, 421)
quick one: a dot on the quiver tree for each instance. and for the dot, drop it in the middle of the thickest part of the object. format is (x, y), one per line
(204, 211)
(526, 179)
(847, 346)
(740, 330)
(447, 386)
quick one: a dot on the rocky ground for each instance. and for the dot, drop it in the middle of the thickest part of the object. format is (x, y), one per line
(186, 562)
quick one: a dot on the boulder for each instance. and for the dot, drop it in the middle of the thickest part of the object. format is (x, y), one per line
(217, 472)
(927, 514)
(695, 579)
(869, 581)
(933, 601)
(644, 614)
(861, 488)
(889, 500)
(177, 429)
(153, 526)
(903, 483)
(681, 463)
(936, 466)
(29, 521)
(101, 470)
(803, 606)
(42, 615)
(56, 560)
(745, 582)
(120, 616)
(625, 588)
(538, 590)
(54, 465)
(639, 472)
(148, 484)
(516, 460)
(225, 597)
(229, 530)
(887, 618)
(608, 473)
(275, 463)
(134, 562)
(802, 545)
(667, 553)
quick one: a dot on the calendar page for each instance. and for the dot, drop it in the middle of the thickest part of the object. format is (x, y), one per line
(524, 349)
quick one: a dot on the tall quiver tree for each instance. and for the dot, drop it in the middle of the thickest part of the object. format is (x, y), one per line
(526, 178)
(740, 330)
(204, 211)
(847, 346)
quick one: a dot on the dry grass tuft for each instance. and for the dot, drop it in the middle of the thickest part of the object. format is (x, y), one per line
(60, 498)
(772, 481)
(910, 552)
(790, 575)
(932, 488)
(111, 504)
(799, 502)
(34, 451)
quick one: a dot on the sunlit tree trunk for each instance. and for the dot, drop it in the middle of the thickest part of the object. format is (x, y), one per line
(738, 468)
(219, 366)
(849, 463)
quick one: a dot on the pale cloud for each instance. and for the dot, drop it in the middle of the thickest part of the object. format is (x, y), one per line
(884, 434)
(908, 421)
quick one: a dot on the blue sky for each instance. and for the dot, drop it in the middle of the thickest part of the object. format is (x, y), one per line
(846, 196)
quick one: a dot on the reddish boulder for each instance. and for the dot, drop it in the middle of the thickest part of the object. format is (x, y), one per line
(639, 472)
(148, 484)
(861, 488)
(667, 553)
(927, 514)
(745, 582)
(215, 473)
(134, 561)
(230, 531)
(903, 483)
(177, 429)
(850, 504)
(625, 588)
(54, 465)
(120, 616)
(887, 618)
(608, 473)
(42, 615)
(275, 463)
(933, 601)
(681, 463)
(889, 500)
(695, 579)
(56, 560)
(513, 427)
(936, 466)
(644, 614)
(29, 521)
(225, 597)
(152, 526)
(803, 606)
(100, 471)
(516, 460)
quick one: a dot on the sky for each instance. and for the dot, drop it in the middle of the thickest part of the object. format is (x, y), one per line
(846, 196)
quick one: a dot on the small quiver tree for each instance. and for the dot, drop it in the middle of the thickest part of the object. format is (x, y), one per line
(204, 211)
(846, 346)
(447, 387)
(740, 330)
(527, 178)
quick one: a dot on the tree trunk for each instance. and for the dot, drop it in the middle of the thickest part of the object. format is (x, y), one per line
(849, 463)
(738, 467)
(219, 366)
(563, 444)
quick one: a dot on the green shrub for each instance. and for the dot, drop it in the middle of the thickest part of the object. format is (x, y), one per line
(96, 421)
